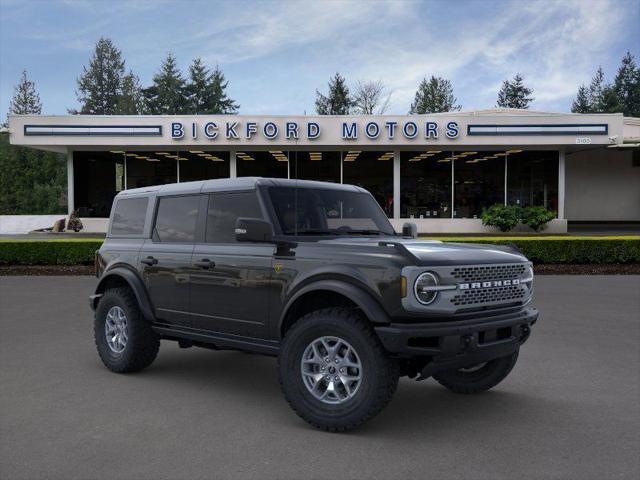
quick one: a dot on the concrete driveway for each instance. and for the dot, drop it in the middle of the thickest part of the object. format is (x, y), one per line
(570, 409)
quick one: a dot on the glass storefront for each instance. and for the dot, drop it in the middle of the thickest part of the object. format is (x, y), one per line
(433, 183)
(322, 166)
(425, 184)
(372, 170)
(532, 179)
(273, 164)
(478, 182)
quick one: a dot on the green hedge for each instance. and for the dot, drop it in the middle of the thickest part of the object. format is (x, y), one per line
(48, 252)
(551, 249)
(566, 249)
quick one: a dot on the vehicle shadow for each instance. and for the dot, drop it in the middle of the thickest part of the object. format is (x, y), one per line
(415, 407)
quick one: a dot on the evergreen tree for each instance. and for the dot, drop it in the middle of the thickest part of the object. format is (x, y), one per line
(514, 94)
(338, 101)
(219, 102)
(167, 95)
(99, 86)
(581, 104)
(627, 86)
(130, 101)
(206, 92)
(196, 89)
(433, 96)
(25, 99)
(596, 91)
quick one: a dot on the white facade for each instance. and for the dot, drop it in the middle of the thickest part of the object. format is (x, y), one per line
(594, 181)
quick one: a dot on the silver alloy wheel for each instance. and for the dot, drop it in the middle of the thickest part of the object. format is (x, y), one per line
(331, 370)
(115, 329)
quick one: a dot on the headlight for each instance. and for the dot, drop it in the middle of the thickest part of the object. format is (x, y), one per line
(425, 288)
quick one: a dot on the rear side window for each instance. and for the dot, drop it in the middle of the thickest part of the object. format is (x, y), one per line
(129, 215)
(224, 210)
(176, 219)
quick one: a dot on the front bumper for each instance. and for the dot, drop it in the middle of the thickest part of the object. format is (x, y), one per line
(449, 345)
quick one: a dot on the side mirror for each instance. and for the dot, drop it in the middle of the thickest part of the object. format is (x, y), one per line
(410, 230)
(253, 230)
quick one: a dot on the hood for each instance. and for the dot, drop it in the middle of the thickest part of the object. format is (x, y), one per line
(435, 252)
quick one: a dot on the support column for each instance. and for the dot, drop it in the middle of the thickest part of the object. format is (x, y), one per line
(561, 177)
(233, 172)
(71, 204)
(396, 184)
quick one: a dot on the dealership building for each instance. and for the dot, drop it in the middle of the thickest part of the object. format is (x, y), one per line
(439, 170)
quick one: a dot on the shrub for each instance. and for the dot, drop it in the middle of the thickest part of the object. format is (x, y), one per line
(48, 252)
(537, 217)
(505, 218)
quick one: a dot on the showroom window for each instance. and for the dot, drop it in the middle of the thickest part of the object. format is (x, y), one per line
(320, 166)
(425, 186)
(532, 178)
(372, 171)
(273, 164)
(478, 182)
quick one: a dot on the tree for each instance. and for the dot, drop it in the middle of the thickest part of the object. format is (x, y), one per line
(434, 95)
(627, 86)
(581, 104)
(338, 101)
(514, 94)
(25, 99)
(100, 85)
(596, 91)
(206, 92)
(31, 181)
(167, 94)
(370, 98)
(130, 101)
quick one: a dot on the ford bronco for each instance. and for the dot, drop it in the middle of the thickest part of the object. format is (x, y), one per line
(315, 274)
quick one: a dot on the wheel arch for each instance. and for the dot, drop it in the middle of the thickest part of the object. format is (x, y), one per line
(124, 277)
(330, 293)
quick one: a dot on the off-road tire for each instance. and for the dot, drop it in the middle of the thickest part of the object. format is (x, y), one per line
(478, 381)
(142, 344)
(379, 378)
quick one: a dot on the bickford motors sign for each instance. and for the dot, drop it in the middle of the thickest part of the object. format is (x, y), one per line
(294, 130)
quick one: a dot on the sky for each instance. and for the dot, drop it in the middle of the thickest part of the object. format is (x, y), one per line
(276, 54)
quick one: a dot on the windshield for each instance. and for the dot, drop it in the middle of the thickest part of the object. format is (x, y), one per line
(317, 211)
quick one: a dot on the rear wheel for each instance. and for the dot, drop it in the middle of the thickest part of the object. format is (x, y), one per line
(333, 370)
(477, 378)
(124, 339)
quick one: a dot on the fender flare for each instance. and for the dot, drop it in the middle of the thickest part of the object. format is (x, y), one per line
(135, 283)
(358, 295)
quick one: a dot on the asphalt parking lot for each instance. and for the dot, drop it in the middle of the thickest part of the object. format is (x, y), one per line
(570, 409)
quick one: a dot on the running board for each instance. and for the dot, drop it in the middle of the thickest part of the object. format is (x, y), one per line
(219, 340)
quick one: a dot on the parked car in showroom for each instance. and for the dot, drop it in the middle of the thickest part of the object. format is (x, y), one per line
(313, 273)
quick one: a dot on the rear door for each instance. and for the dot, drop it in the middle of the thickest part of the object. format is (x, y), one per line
(230, 292)
(166, 257)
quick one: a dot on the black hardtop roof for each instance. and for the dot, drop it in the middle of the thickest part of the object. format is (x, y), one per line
(232, 184)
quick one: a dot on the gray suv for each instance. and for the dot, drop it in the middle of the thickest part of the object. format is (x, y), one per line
(313, 273)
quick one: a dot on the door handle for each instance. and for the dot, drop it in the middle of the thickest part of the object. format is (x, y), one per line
(149, 261)
(205, 263)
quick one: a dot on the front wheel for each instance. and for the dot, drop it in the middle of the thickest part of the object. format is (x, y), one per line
(477, 378)
(333, 370)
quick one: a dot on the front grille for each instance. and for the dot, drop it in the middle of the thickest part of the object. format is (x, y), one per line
(480, 273)
(512, 293)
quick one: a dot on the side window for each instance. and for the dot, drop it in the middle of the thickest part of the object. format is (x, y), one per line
(129, 215)
(176, 219)
(224, 210)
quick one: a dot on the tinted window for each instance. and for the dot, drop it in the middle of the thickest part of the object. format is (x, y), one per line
(316, 211)
(128, 216)
(224, 210)
(176, 219)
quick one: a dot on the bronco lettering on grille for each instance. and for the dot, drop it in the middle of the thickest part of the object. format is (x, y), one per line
(494, 283)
